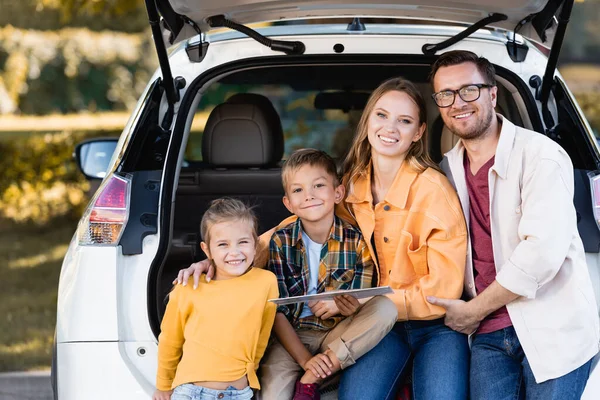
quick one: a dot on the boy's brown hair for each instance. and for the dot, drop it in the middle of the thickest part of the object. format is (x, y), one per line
(312, 157)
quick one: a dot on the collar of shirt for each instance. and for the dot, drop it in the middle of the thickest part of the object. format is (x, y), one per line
(397, 194)
(336, 233)
(503, 150)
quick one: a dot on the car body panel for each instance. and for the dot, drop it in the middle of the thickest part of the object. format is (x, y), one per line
(132, 287)
(102, 294)
(102, 318)
(461, 11)
(87, 296)
(98, 371)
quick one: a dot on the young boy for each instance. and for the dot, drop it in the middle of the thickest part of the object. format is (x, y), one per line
(317, 253)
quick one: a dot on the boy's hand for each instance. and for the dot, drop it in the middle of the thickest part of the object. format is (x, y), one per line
(196, 269)
(162, 395)
(324, 309)
(320, 365)
(348, 305)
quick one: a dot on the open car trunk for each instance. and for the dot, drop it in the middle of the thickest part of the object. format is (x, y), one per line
(320, 108)
(532, 17)
(537, 20)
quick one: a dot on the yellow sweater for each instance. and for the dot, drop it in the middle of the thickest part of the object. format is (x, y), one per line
(218, 332)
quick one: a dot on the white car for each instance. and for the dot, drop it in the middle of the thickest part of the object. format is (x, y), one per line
(297, 77)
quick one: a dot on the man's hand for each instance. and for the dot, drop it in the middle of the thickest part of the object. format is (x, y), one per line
(196, 269)
(459, 314)
(320, 365)
(348, 305)
(162, 395)
(324, 309)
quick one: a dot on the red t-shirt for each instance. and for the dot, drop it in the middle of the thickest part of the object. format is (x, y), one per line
(481, 241)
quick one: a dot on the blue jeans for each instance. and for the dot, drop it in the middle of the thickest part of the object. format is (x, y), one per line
(192, 392)
(440, 364)
(499, 370)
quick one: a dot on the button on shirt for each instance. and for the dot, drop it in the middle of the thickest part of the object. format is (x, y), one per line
(537, 249)
(345, 261)
(418, 234)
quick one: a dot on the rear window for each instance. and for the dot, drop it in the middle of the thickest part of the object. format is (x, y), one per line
(303, 125)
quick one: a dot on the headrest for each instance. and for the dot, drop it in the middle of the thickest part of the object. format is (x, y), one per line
(244, 131)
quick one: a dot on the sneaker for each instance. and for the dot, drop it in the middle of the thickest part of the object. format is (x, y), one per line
(307, 391)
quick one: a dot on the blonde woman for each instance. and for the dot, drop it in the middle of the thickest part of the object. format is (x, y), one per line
(411, 219)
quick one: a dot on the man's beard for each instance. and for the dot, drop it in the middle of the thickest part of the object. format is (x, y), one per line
(477, 131)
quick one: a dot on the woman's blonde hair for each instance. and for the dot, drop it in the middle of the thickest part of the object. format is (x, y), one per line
(359, 156)
(227, 209)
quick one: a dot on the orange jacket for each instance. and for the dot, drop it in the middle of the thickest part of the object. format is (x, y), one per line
(420, 237)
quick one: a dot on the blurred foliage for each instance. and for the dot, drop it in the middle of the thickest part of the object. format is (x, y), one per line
(116, 15)
(72, 70)
(584, 82)
(590, 105)
(70, 8)
(39, 180)
(582, 40)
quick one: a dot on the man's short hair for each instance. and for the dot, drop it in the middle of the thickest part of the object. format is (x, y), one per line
(312, 157)
(456, 57)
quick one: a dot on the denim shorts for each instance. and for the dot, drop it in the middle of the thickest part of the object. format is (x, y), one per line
(189, 391)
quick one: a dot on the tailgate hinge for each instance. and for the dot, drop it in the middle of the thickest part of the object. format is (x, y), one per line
(430, 49)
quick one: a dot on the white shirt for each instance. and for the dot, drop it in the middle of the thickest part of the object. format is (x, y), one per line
(313, 252)
(537, 249)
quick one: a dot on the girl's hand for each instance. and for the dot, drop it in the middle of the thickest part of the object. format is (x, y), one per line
(196, 269)
(162, 395)
(324, 309)
(320, 365)
(348, 305)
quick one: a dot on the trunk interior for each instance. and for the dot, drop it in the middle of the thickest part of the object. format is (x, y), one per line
(246, 113)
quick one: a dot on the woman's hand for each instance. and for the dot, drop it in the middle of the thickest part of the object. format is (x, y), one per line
(320, 365)
(348, 305)
(196, 269)
(324, 309)
(162, 395)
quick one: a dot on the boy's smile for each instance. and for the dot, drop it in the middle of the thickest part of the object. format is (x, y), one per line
(312, 194)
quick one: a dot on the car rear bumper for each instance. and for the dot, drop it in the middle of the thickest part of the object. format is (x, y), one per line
(105, 370)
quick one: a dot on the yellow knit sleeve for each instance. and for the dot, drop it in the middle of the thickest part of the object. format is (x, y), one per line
(170, 340)
(267, 320)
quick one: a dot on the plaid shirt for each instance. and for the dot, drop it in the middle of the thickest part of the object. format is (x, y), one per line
(346, 259)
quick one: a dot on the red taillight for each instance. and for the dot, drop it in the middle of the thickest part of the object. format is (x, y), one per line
(104, 222)
(595, 189)
(114, 194)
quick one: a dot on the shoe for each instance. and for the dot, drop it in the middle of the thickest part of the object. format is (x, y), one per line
(307, 391)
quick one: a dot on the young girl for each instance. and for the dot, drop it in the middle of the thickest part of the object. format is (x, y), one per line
(213, 338)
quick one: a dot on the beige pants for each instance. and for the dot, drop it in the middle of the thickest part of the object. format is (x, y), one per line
(349, 340)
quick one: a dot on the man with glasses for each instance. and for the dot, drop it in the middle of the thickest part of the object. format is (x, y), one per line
(531, 309)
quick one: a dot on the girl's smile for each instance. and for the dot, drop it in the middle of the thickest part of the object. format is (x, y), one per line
(231, 248)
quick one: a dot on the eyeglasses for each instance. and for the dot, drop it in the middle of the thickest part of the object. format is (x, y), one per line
(467, 93)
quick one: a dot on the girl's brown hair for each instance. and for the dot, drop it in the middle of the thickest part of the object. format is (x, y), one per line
(358, 158)
(227, 209)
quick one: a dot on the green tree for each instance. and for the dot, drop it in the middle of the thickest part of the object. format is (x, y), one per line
(70, 8)
(48, 15)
